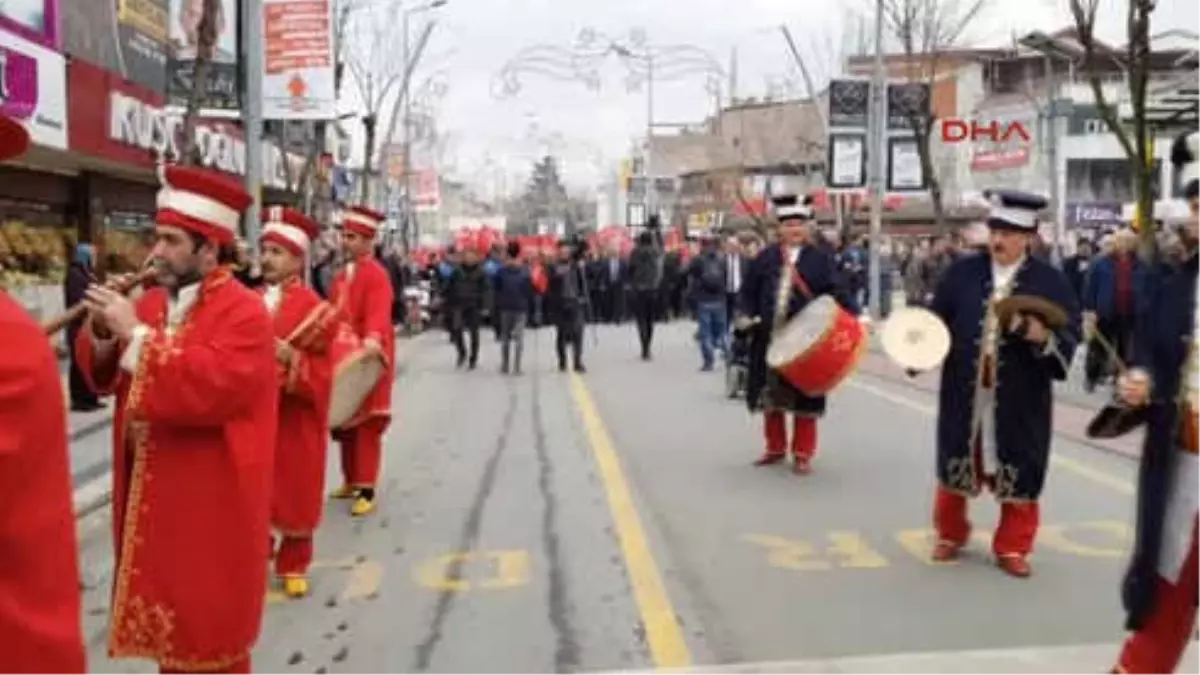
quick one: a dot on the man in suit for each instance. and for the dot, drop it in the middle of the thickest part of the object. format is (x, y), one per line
(735, 270)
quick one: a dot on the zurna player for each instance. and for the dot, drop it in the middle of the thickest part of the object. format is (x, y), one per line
(779, 283)
(304, 328)
(996, 396)
(1160, 587)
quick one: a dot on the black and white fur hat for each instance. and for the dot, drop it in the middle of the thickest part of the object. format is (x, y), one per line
(1185, 154)
(791, 207)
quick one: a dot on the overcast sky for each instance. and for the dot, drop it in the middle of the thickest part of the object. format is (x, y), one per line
(593, 129)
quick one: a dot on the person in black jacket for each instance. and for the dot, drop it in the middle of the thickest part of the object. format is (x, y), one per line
(467, 296)
(645, 276)
(79, 277)
(569, 300)
(512, 288)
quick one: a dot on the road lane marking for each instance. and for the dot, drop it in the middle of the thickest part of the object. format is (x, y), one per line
(508, 569)
(1119, 484)
(664, 635)
(366, 578)
(847, 550)
(851, 550)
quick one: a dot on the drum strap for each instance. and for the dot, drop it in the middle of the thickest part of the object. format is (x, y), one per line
(798, 279)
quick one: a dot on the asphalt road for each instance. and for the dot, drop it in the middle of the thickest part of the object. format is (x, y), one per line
(613, 521)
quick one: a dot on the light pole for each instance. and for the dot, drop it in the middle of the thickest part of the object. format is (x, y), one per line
(410, 221)
(252, 114)
(877, 145)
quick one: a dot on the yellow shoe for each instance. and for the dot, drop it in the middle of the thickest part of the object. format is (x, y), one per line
(344, 492)
(295, 587)
(362, 506)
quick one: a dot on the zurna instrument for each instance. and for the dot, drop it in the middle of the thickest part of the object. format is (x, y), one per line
(56, 323)
(915, 338)
(818, 348)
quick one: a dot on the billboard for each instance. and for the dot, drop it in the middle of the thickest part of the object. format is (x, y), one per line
(183, 25)
(298, 82)
(126, 37)
(33, 89)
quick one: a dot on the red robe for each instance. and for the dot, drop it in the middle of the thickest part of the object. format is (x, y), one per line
(194, 439)
(365, 303)
(39, 573)
(305, 383)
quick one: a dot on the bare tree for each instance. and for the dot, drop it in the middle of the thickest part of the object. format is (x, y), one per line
(207, 32)
(928, 30)
(376, 69)
(1135, 138)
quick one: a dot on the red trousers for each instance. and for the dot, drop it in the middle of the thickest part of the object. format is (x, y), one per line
(1159, 645)
(1014, 535)
(294, 556)
(804, 434)
(242, 666)
(362, 452)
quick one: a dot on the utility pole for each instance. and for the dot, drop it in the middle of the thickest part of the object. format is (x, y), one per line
(252, 40)
(651, 184)
(410, 226)
(876, 146)
(1051, 119)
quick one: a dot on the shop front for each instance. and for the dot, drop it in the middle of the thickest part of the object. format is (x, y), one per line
(121, 133)
(37, 221)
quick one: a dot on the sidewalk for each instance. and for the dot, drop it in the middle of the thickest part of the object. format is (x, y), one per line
(1070, 418)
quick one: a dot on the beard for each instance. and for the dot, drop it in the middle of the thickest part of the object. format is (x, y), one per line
(175, 276)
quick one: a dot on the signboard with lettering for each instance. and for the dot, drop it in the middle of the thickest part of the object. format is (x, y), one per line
(849, 103)
(33, 89)
(298, 82)
(223, 90)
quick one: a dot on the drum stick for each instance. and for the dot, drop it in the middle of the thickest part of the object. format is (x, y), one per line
(1110, 350)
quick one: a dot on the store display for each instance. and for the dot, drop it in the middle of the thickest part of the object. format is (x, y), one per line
(33, 255)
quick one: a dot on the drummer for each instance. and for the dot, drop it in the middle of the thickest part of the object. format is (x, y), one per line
(304, 327)
(770, 296)
(996, 398)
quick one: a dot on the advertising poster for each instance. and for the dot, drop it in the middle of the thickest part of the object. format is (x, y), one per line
(183, 34)
(904, 165)
(33, 89)
(127, 37)
(34, 20)
(298, 82)
(847, 161)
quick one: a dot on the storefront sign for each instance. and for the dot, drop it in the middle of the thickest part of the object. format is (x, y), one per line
(33, 89)
(124, 123)
(1093, 214)
(34, 20)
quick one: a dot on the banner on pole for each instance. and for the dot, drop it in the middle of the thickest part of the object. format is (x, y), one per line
(298, 60)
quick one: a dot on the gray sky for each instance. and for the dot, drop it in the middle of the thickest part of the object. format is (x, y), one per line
(593, 129)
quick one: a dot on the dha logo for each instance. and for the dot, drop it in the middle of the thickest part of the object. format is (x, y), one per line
(956, 130)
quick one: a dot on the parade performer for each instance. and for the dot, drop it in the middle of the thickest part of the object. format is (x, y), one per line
(1160, 587)
(996, 397)
(39, 585)
(193, 367)
(778, 284)
(304, 328)
(362, 293)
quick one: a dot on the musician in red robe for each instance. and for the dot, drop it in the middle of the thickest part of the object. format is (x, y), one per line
(303, 329)
(39, 574)
(362, 294)
(192, 363)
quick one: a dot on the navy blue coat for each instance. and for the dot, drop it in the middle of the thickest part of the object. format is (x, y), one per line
(1161, 347)
(757, 299)
(1024, 383)
(1100, 287)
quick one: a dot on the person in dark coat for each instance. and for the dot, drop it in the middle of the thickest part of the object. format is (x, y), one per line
(1077, 267)
(1114, 288)
(468, 295)
(996, 399)
(79, 277)
(512, 293)
(1159, 589)
(770, 296)
(645, 271)
(568, 302)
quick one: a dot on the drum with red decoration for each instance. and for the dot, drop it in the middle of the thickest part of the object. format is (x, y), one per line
(818, 348)
(356, 370)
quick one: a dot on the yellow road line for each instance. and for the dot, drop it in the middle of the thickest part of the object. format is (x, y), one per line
(1119, 484)
(668, 648)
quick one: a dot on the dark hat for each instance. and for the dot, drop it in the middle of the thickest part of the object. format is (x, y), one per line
(1014, 210)
(791, 207)
(1185, 155)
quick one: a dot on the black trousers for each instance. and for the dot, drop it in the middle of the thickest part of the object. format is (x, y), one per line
(1119, 333)
(466, 319)
(81, 393)
(568, 330)
(645, 312)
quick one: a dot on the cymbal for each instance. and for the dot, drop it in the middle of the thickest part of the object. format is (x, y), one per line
(1051, 313)
(915, 338)
(1115, 420)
